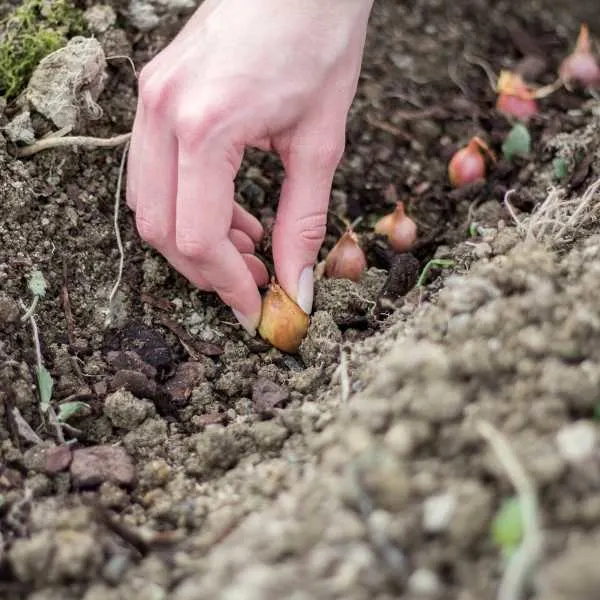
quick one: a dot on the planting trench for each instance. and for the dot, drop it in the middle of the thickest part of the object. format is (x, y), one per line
(210, 465)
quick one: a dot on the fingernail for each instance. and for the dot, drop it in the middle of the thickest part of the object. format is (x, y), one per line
(247, 323)
(304, 297)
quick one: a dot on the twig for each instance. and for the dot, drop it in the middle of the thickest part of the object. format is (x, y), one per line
(113, 292)
(80, 141)
(526, 556)
(24, 428)
(64, 294)
(344, 378)
(474, 60)
(511, 210)
(128, 59)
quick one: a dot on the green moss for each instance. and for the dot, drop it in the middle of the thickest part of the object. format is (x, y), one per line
(34, 30)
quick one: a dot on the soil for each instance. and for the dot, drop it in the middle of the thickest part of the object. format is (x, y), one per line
(205, 464)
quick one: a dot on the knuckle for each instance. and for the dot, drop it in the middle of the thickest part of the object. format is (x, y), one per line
(200, 122)
(151, 232)
(189, 244)
(153, 90)
(312, 229)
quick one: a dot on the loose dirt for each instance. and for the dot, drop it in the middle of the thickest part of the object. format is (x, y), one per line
(208, 464)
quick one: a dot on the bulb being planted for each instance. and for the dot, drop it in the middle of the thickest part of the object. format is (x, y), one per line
(468, 164)
(282, 323)
(399, 228)
(515, 98)
(346, 260)
(581, 67)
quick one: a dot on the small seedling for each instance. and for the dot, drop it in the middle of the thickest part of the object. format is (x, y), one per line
(517, 142)
(443, 263)
(507, 527)
(37, 286)
(560, 169)
(70, 409)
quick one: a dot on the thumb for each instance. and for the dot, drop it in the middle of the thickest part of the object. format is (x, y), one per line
(302, 219)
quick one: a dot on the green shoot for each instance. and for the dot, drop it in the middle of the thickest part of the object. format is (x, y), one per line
(517, 142)
(45, 386)
(560, 168)
(507, 526)
(70, 409)
(443, 263)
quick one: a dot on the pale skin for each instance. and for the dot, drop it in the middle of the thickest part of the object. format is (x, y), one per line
(279, 75)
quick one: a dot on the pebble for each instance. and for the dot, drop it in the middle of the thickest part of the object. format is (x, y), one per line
(576, 441)
(438, 511)
(424, 583)
(92, 466)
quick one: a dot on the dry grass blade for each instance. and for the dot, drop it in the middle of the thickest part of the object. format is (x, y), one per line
(518, 571)
(557, 217)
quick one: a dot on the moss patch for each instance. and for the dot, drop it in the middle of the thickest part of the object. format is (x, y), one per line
(31, 32)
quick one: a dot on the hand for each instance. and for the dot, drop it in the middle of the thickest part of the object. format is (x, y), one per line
(279, 75)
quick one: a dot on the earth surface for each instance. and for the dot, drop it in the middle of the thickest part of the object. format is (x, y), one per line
(198, 463)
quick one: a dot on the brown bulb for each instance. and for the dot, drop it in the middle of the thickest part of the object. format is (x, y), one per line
(346, 260)
(282, 323)
(399, 228)
(581, 66)
(515, 98)
(468, 164)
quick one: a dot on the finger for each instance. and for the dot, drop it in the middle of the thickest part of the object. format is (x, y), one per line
(133, 157)
(190, 270)
(302, 217)
(244, 221)
(157, 187)
(242, 241)
(203, 220)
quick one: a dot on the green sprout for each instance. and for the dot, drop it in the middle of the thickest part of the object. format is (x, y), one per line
(35, 29)
(37, 286)
(507, 527)
(560, 168)
(517, 142)
(443, 263)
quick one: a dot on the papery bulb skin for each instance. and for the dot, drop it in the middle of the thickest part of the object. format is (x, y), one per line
(399, 228)
(466, 166)
(515, 98)
(346, 260)
(581, 67)
(282, 323)
(518, 108)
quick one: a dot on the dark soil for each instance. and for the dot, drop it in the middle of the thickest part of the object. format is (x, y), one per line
(205, 464)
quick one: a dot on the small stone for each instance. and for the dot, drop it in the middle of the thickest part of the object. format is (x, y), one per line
(58, 458)
(20, 129)
(142, 15)
(438, 512)
(100, 18)
(400, 439)
(128, 359)
(187, 376)
(424, 583)
(576, 442)
(92, 466)
(267, 395)
(136, 383)
(66, 83)
(125, 410)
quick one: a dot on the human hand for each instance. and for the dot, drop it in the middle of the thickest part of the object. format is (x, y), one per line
(279, 75)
